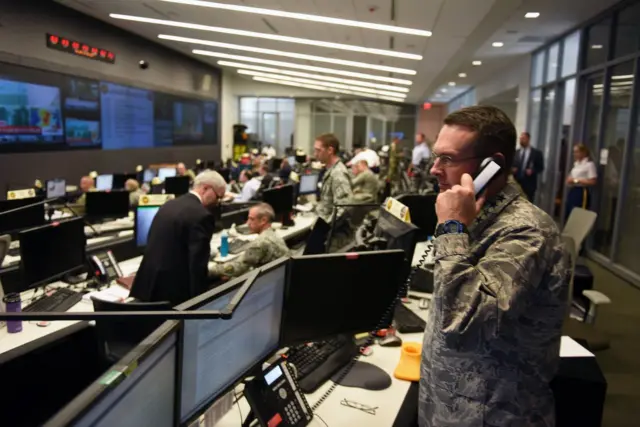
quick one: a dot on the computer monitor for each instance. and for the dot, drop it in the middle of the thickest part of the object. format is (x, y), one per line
(280, 199)
(25, 218)
(275, 164)
(144, 218)
(104, 182)
(334, 294)
(107, 204)
(56, 188)
(139, 390)
(177, 185)
(164, 173)
(397, 233)
(422, 209)
(291, 160)
(308, 184)
(148, 175)
(119, 179)
(51, 251)
(217, 354)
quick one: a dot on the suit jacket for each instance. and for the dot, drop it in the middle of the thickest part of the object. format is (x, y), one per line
(535, 162)
(492, 341)
(174, 266)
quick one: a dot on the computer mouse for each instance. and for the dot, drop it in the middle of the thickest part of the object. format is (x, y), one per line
(390, 341)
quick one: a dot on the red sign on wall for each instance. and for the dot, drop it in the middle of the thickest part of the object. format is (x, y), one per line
(73, 47)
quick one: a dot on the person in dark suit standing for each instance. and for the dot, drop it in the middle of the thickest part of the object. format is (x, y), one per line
(527, 165)
(174, 266)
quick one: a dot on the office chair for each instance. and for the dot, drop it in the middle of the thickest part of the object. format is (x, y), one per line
(117, 337)
(583, 330)
(579, 225)
(5, 241)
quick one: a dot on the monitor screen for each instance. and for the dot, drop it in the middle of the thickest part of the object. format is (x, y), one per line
(104, 182)
(139, 390)
(291, 160)
(148, 175)
(218, 353)
(356, 288)
(56, 188)
(107, 204)
(144, 218)
(308, 184)
(127, 117)
(280, 199)
(177, 185)
(51, 251)
(166, 172)
(25, 218)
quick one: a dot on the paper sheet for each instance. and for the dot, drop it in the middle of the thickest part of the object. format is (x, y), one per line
(570, 348)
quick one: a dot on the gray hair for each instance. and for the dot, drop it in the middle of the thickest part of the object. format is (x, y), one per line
(264, 210)
(209, 177)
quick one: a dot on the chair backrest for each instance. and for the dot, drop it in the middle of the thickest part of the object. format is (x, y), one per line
(126, 331)
(5, 241)
(579, 225)
(570, 247)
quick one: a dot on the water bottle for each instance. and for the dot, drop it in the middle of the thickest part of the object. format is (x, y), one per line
(224, 244)
(13, 304)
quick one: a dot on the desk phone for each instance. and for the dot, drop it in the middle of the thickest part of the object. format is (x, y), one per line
(105, 267)
(276, 400)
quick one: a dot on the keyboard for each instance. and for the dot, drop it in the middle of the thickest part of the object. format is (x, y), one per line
(317, 362)
(236, 246)
(406, 321)
(59, 301)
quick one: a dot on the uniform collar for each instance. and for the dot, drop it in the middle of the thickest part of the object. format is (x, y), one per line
(492, 208)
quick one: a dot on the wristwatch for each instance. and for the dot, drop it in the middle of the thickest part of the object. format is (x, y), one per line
(451, 227)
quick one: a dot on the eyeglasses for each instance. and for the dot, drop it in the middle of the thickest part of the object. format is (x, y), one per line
(446, 161)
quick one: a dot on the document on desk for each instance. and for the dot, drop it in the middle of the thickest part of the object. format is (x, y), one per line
(570, 348)
(115, 293)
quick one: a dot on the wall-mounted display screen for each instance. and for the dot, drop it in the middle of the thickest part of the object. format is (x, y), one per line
(41, 110)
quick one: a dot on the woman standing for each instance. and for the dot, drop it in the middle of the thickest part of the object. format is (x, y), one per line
(582, 177)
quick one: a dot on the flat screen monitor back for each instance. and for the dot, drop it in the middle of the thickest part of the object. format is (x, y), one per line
(334, 294)
(397, 233)
(144, 397)
(422, 209)
(316, 242)
(107, 204)
(280, 199)
(119, 180)
(177, 185)
(24, 218)
(50, 251)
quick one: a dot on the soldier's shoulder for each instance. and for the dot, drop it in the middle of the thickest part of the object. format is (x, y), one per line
(522, 213)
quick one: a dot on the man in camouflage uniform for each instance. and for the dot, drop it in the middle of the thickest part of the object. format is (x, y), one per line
(492, 340)
(267, 247)
(336, 189)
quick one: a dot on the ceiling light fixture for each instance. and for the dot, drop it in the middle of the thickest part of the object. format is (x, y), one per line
(531, 15)
(476, 63)
(321, 88)
(301, 67)
(452, 84)
(312, 76)
(462, 75)
(596, 46)
(275, 37)
(305, 17)
(286, 54)
(320, 83)
(497, 44)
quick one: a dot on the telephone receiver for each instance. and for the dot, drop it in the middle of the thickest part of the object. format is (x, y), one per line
(489, 169)
(104, 266)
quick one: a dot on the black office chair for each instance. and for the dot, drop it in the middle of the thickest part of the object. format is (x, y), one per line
(117, 337)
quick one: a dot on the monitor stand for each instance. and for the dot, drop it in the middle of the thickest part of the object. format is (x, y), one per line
(287, 220)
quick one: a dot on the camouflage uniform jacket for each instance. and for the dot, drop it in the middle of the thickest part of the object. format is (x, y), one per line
(336, 189)
(365, 187)
(492, 341)
(267, 247)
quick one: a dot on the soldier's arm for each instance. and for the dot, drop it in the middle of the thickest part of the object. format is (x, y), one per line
(342, 192)
(250, 258)
(476, 295)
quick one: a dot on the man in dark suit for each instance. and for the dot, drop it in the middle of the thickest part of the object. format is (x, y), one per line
(174, 267)
(527, 164)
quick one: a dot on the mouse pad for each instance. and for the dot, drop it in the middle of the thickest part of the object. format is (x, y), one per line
(364, 375)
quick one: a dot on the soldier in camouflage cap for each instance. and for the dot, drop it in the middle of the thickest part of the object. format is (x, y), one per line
(492, 340)
(267, 247)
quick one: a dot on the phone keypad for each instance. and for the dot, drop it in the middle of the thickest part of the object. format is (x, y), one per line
(293, 415)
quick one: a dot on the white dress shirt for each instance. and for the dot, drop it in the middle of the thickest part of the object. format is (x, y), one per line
(584, 169)
(420, 152)
(249, 190)
(524, 157)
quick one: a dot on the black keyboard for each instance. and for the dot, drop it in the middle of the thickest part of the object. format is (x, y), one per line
(317, 362)
(59, 301)
(236, 246)
(407, 321)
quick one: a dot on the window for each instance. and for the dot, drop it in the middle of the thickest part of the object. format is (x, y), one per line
(537, 69)
(627, 31)
(597, 43)
(552, 63)
(271, 119)
(571, 47)
(534, 119)
(594, 90)
(615, 136)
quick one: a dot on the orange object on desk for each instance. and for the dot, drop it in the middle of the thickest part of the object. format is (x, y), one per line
(408, 368)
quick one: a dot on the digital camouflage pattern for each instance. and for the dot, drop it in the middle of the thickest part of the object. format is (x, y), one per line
(267, 247)
(365, 187)
(492, 341)
(336, 189)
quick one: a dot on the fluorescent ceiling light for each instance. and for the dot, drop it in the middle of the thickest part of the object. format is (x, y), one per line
(320, 83)
(476, 63)
(531, 15)
(622, 77)
(462, 75)
(497, 44)
(322, 88)
(312, 76)
(276, 37)
(301, 67)
(596, 46)
(306, 17)
(287, 54)
(452, 84)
